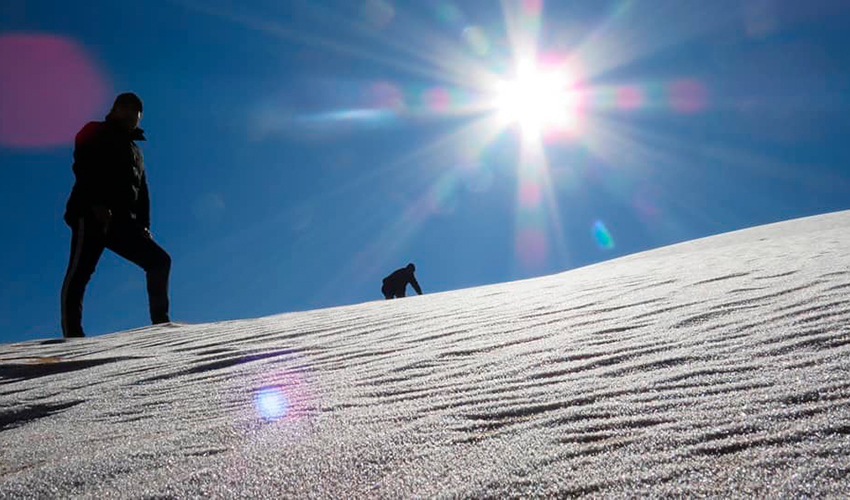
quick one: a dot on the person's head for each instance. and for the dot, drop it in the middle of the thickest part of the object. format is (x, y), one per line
(127, 110)
(411, 267)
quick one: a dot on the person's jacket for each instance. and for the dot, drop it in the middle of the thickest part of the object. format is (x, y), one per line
(110, 171)
(399, 279)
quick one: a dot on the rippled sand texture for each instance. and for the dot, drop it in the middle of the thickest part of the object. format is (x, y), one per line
(715, 367)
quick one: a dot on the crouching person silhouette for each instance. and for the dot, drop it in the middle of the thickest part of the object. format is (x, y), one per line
(109, 207)
(395, 285)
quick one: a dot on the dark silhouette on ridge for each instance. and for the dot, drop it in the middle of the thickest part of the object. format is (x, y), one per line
(109, 207)
(395, 285)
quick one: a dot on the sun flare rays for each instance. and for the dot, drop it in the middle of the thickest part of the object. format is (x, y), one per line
(496, 80)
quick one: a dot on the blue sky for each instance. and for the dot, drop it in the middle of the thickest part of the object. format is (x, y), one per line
(300, 151)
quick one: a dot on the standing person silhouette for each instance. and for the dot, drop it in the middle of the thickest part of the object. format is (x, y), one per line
(109, 207)
(395, 285)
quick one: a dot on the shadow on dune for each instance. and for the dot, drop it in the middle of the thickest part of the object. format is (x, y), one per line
(15, 372)
(20, 416)
(53, 341)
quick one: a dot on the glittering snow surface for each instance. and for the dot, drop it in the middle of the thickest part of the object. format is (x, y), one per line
(715, 367)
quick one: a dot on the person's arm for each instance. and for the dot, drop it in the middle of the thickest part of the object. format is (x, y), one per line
(144, 210)
(90, 170)
(415, 284)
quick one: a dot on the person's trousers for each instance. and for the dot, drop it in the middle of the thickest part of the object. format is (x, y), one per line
(389, 293)
(126, 239)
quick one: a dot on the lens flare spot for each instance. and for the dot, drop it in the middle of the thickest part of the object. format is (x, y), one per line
(531, 247)
(271, 403)
(529, 195)
(438, 99)
(385, 95)
(532, 7)
(645, 202)
(49, 88)
(602, 236)
(629, 97)
(688, 96)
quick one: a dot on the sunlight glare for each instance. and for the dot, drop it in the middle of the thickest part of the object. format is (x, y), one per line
(271, 403)
(539, 100)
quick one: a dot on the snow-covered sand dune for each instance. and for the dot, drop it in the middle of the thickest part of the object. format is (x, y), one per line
(716, 367)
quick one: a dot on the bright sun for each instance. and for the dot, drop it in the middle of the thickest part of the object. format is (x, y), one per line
(539, 100)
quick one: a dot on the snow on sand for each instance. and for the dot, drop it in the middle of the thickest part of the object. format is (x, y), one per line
(716, 367)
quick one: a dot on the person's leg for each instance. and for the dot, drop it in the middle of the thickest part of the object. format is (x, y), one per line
(87, 242)
(387, 293)
(133, 244)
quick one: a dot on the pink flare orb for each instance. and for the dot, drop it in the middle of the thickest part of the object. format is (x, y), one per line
(532, 7)
(385, 95)
(644, 203)
(629, 97)
(529, 195)
(438, 99)
(688, 96)
(49, 89)
(531, 247)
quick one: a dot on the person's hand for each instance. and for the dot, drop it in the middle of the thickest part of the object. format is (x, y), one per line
(103, 216)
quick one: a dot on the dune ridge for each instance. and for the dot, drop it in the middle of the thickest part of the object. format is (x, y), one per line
(716, 367)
